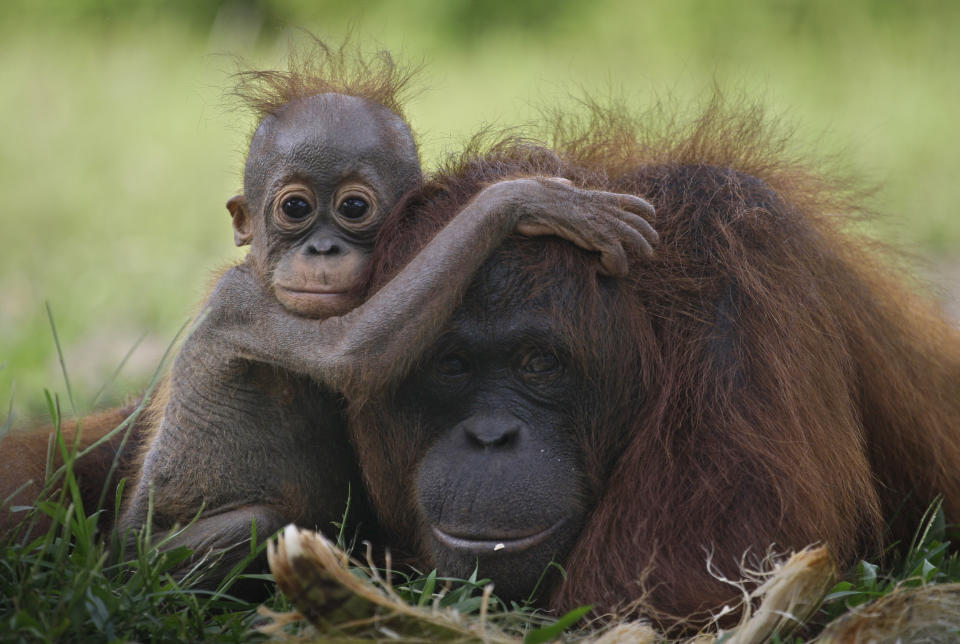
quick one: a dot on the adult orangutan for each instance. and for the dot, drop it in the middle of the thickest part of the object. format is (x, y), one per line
(763, 381)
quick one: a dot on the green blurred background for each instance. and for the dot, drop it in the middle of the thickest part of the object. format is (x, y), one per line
(119, 150)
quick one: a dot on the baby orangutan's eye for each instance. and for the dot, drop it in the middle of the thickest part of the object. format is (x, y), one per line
(353, 208)
(296, 208)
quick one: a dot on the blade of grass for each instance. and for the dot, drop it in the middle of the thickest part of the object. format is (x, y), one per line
(926, 523)
(8, 422)
(555, 630)
(426, 595)
(144, 401)
(63, 364)
(116, 372)
(536, 588)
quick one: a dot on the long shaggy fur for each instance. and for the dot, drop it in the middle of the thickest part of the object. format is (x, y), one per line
(319, 68)
(784, 388)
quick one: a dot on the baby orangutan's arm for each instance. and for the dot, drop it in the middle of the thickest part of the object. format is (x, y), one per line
(376, 343)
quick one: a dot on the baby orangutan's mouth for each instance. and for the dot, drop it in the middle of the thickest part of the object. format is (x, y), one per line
(485, 544)
(315, 300)
(313, 291)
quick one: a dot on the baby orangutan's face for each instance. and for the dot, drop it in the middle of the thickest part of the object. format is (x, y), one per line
(321, 176)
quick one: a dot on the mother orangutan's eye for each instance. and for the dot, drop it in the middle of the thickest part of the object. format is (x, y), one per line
(541, 363)
(452, 365)
(353, 208)
(296, 208)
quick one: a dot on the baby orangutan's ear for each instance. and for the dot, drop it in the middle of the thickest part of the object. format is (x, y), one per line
(242, 231)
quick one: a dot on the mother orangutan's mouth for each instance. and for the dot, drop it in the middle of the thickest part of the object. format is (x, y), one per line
(485, 544)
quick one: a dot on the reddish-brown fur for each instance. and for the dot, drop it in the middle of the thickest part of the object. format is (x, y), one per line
(785, 388)
(25, 457)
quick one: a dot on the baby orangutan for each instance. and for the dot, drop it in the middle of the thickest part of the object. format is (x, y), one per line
(251, 429)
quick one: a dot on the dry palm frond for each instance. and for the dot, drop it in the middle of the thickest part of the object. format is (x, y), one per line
(343, 605)
(791, 592)
(316, 577)
(929, 614)
(629, 633)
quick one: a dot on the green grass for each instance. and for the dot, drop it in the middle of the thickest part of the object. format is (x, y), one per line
(58, 587)
(63, 584)
(928, 560)
(119, 150)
